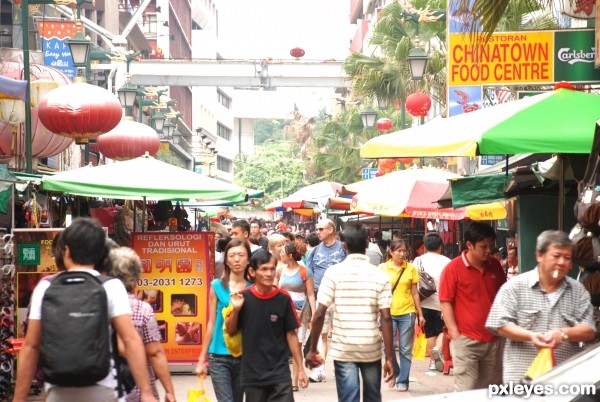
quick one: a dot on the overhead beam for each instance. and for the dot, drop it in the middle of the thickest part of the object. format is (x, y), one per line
(239, 73)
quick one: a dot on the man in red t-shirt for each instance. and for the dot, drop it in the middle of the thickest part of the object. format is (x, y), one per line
(468, 286)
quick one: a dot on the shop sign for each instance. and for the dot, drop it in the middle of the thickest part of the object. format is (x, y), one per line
(54, 36)
(28, 254)
(507, 58)
(176, 271)
(574, 56)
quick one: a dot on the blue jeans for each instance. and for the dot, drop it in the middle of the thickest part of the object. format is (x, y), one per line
(348, 383)
(226, 377)
(404, 326)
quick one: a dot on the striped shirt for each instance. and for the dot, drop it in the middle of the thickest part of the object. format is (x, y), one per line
(358, 290)
(522, 302)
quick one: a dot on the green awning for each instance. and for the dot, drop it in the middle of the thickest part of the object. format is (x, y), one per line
(479, 189)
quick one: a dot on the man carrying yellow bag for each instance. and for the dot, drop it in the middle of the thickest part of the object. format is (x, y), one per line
(542, 308)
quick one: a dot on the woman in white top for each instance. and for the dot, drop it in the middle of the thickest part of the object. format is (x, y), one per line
(295, 279)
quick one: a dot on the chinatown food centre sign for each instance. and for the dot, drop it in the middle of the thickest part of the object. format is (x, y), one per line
(535, 57)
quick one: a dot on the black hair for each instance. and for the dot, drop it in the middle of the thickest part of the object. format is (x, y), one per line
(312, 239)
(86, 240)
(222, 243)
(242, 224)
(478, 231)
(58, 249)
(259, 258)
(289, 235)
(227, 271)
(432, 241)
(355, 237)
(258, 222)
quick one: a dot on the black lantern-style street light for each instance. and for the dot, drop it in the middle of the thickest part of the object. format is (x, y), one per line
(80, 49)
(417, 62)
(368, 116)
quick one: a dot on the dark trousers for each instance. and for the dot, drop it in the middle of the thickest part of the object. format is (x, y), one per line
(270, 393)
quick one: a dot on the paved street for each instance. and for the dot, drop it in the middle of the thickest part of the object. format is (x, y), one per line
(426, 383)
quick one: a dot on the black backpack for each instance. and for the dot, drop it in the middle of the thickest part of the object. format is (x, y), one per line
(75, 349)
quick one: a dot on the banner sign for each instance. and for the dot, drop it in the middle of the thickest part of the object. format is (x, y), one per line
(515, 57)
(54, 36)
(523, 58)
(176, 271)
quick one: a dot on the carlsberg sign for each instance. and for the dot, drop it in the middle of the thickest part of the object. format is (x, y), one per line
(574, 56)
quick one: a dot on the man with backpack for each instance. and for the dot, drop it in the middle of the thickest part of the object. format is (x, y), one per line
(433, 263)
(69, 327)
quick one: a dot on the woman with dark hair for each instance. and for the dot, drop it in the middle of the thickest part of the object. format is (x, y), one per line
(300, 284)
(405, 307)
(225, 369)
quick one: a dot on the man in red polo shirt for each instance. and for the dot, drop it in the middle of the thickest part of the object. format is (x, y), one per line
(468, 286)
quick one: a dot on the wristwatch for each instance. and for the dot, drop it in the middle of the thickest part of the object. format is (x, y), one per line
(565, 336)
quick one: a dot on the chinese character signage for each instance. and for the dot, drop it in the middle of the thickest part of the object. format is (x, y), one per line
(54, 36)
(176, 272)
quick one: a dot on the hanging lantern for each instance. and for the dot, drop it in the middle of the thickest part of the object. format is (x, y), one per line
(128, 140)
(297, 52)
(418, 104)
(384, 124)
(405, 161)
(564, 84)
(80, 111)
(387, 165)
(44, 143)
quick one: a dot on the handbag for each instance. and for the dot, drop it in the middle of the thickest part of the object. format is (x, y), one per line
(420, 344)
(426, 286)
(198, 393)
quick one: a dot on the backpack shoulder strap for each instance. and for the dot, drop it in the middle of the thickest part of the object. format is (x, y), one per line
(303, 273)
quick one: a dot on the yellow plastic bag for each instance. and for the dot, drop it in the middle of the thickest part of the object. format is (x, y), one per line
(543, 362)
(198, 394)
(420, 344)
(233, 342)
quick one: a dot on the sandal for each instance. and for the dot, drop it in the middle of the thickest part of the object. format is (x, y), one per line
(295, 388)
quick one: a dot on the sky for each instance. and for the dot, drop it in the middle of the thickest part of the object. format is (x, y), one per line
(271, 28)
(264, 29)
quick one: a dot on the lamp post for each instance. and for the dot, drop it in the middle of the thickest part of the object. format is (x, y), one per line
(368, 116)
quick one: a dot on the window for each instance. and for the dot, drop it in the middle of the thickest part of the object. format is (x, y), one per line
(148, 25)
(223, 132)
(224, 99)
(224, 164)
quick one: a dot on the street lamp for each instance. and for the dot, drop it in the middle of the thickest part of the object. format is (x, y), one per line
(417, 62)
(176, 136)
(127, 94)
(158, 120)
(368, 116)
(168, 131)
(80, 48)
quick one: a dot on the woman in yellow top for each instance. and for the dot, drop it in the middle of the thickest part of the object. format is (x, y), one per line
(406, 306)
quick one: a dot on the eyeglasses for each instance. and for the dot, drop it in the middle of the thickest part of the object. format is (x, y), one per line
(320, 229)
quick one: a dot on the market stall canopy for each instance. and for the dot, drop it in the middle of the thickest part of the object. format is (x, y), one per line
(142, 178)
(308, 197)
(251, 195)
(414, 193)
(537, 178)
(560, 121)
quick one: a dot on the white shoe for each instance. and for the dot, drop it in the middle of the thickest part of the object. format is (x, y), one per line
(432, 365)
(438, 358)
(317, 377)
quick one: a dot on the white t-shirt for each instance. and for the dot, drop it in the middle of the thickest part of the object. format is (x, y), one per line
(433, 264)
(118, 304)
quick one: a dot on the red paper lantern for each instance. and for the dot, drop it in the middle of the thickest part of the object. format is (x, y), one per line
(564, 84)
(384, 124)
(44, 143)
(297, 52)
(418, 104)
(128, 140)
(387, 165)
(405, 161)
(80, 111)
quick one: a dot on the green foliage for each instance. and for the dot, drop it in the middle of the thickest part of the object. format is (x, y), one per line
(267, 129)
(270, 169)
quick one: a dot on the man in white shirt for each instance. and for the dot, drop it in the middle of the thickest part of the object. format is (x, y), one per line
(433, 262)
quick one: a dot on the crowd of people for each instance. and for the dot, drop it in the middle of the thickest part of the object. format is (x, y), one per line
(301, 298)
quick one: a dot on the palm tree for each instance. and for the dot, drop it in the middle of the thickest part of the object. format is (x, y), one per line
(491, 16)
(336, 151)
(385, 74)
